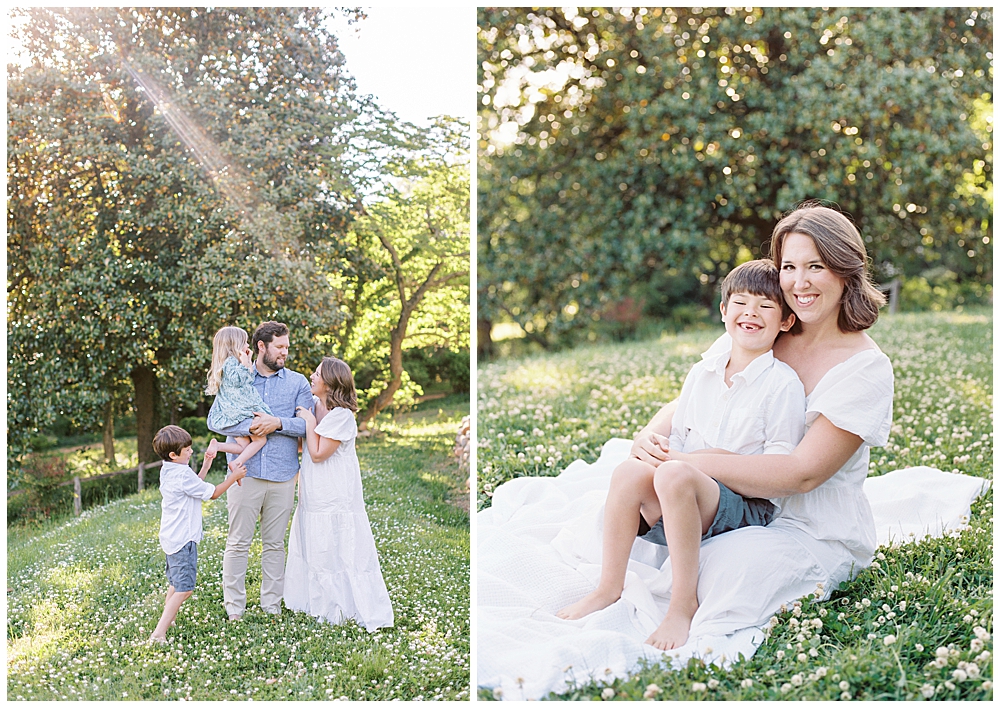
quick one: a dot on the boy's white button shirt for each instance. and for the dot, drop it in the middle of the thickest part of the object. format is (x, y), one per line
(763, 412)
(180, 519)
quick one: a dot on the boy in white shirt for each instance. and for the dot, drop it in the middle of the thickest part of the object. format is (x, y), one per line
(182, 493)
(740, 400)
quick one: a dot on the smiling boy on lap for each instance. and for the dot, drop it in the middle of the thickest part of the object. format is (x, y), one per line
(740, 400)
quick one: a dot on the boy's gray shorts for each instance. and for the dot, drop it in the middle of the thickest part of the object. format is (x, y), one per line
(182, 567)
(734, 512)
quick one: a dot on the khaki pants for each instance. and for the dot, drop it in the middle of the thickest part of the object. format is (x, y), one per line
(271, 504)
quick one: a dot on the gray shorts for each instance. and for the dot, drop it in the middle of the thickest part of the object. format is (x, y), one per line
(734, 512)
(182, 567)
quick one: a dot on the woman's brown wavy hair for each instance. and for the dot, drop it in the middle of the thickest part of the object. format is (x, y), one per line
(339, 383)
(843, 251)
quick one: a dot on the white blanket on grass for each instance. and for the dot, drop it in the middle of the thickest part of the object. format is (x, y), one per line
(539, 550)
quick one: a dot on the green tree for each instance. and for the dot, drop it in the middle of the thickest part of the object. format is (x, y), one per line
(170, 171)
(643, 153)
(409, 284)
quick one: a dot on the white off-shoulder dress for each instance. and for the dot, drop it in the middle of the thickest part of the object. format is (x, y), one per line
(539, 549)
(332, 571)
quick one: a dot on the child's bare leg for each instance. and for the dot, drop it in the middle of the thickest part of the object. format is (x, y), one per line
(255, 443)
(689, 500)
(170, 608)
(233, 448)
(631, 493)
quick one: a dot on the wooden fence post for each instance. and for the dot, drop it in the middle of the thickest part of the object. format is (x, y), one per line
(894, 288)
(142, 469)
(77, 497)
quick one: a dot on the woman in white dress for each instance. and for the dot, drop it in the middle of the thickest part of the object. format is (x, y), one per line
(823, 535)
(332, 571)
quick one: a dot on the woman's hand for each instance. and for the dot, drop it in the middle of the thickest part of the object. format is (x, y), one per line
(651, 448)
(306, 415)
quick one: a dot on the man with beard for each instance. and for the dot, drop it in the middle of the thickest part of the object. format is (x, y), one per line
(268, 490)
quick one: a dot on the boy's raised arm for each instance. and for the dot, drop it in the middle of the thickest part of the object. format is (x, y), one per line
(229, 481)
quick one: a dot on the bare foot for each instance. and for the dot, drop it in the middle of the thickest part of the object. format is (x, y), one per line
(593, 602)
(213, 445)
(154, 639)
(673, 630)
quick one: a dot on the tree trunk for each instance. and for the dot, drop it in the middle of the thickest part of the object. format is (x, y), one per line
(395, 372)
(144, 383)
(109, 431)
(484, 343)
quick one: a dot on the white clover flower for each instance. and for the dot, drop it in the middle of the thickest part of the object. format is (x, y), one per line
(941, 652)
(797, 680)
(918, 647)
(843, 685)
(889, 640)
(746, 683)
(927, 690)
(821, 671)
(845, 696)
(986, 685)
(785, 688)
(698, 687)
(959, 675)
(498, 693)
(779, 655)
(713, 684)
(981, 633)
(972, 670)
(949, 685)
(608, 693)
(652, 691)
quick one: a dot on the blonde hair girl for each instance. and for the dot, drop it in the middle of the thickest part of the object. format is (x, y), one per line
(231, 381)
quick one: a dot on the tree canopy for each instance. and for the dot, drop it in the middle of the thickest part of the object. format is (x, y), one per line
(636, 155)
(171, 171)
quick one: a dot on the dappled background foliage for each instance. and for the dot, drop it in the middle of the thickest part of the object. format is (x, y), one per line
(628, 159)
(171, 171)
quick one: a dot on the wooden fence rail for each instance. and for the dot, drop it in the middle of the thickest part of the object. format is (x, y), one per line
(77, 482)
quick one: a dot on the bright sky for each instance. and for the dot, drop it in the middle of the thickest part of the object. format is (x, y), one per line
(419, 61)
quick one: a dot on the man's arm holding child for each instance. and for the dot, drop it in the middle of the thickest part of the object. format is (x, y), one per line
(293, 427)
(240, 430)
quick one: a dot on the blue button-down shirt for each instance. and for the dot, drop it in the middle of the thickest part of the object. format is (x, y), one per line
(282, 391)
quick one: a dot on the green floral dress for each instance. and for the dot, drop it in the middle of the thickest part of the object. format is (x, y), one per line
(237, 398)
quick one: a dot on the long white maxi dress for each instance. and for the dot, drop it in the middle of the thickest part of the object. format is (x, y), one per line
(332, 571)
(539, 549)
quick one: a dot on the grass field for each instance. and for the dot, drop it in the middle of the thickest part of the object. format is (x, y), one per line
(84, 595)
(915, 625)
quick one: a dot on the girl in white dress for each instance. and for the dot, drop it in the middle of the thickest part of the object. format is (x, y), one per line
(332, 571)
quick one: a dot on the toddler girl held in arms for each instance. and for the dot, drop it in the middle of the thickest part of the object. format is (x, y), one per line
(231, 381)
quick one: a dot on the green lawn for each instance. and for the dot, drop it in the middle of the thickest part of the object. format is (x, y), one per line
(917, 624)
(86, 593)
